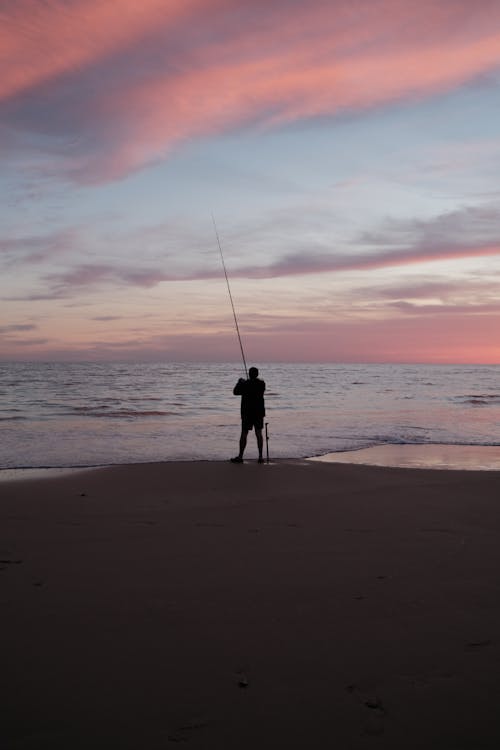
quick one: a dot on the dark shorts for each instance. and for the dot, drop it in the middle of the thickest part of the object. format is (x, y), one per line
(248, 421)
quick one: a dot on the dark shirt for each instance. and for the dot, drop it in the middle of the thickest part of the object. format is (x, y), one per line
(252, 396)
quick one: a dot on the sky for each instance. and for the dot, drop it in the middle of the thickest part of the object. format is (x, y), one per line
(348, 151)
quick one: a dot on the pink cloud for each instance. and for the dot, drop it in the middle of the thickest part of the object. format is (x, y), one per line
(131, 83)
(41, 41)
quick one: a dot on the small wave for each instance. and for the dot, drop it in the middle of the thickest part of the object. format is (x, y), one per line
(483, 395)
(454, 443)
(88, 409)
(105, 412)
(133, 413)
(478, 399)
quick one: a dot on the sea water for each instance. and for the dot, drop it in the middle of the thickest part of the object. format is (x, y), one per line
(85, 414)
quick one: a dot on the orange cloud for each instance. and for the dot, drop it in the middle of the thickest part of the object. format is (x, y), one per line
(144, 76)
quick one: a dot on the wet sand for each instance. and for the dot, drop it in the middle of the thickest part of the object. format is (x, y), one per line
(425, 456)
(296, 605)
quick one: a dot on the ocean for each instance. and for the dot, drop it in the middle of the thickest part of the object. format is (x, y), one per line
(90, 414)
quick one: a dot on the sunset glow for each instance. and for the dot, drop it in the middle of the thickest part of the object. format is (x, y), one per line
(349, 153)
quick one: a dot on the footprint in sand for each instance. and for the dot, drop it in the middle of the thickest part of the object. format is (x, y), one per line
(5, 563)
(477, 645)
(182, 733)
(373, 723)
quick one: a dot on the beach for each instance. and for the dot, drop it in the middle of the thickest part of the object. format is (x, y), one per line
(293, 605)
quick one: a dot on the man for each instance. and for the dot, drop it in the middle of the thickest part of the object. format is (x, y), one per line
(252, 411)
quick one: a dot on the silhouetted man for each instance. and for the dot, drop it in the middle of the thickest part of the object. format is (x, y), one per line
(252, 411)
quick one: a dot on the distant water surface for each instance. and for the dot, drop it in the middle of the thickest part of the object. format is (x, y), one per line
(81, 414)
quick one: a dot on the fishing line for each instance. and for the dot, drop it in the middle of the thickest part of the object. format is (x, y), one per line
(230, 297)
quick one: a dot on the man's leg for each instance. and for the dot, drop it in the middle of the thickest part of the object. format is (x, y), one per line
(243, 442)
(260, 441)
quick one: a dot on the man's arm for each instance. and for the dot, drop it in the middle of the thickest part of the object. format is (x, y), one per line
(239, 387)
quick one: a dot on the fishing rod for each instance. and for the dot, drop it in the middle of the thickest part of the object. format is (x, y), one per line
(230, 297)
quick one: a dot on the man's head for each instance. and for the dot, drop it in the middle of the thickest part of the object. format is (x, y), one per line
(253, 372)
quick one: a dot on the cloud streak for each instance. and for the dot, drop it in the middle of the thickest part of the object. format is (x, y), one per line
(33, 249)
(110, 91)
(298, 264)
(471, 233)
(16, 328)
(308, 263)
(446, 237)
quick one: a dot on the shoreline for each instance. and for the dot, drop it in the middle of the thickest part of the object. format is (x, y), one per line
(438, 456)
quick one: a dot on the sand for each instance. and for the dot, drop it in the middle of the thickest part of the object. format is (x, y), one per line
(207, 605)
